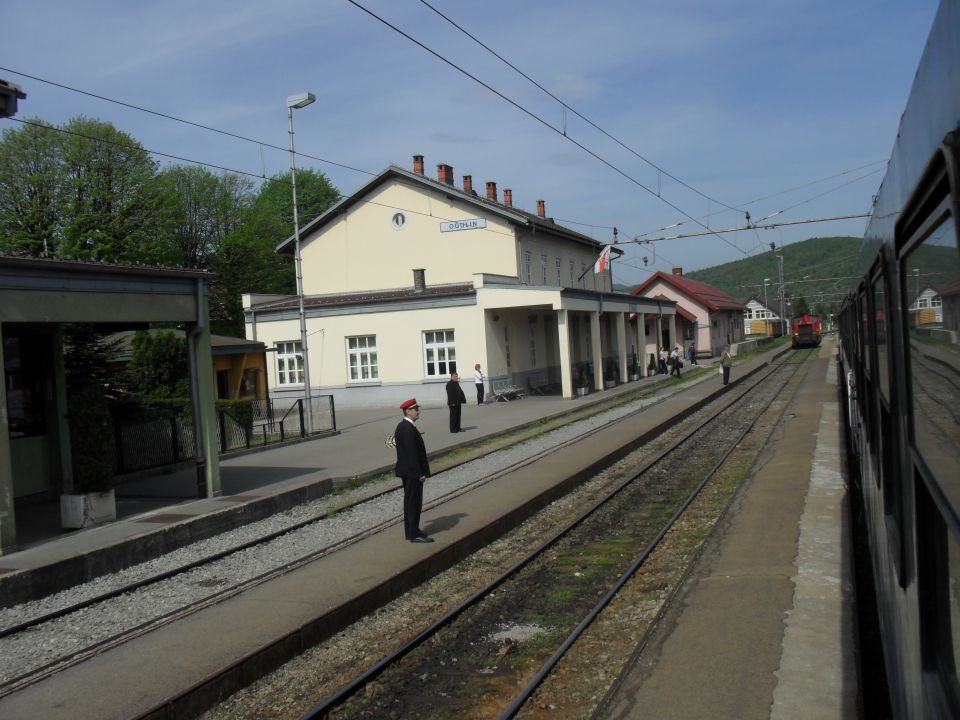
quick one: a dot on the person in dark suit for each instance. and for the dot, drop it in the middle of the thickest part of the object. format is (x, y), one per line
(412, 469)
(455, 398)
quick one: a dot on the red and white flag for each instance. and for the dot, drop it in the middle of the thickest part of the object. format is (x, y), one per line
(603, 262)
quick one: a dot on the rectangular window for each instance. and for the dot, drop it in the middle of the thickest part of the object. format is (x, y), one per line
(543, 268)
(362, 362)
(936, 425)
(527, 259)
(559, 282)
(533, 345)
(289, 363)
(573, 274)
(439, 353)
(583, 274)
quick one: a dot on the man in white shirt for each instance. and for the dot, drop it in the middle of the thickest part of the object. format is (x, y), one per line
(478, 379)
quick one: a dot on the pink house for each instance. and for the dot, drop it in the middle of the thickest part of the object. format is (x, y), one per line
(706, 316)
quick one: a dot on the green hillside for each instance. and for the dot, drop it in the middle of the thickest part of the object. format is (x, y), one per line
(817, 269)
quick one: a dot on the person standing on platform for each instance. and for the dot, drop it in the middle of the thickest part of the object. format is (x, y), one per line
(725, 362)
(412, 469)
(455, 398)
(662, 358)
(478, 380)
(693, 354)
(675, 361)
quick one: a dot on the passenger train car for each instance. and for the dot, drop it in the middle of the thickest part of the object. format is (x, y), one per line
(902, 384)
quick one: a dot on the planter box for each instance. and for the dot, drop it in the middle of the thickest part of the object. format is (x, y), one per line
(581, 391)
(88, 509)
(634, 378)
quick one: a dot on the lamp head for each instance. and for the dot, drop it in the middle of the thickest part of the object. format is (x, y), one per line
(300, 100)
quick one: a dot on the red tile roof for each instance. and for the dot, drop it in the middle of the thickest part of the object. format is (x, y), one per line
(707, 295)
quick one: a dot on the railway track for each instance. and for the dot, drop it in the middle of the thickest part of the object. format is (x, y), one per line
(512, 632)
(50, 639)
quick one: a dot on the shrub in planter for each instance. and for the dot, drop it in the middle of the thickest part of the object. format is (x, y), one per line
(582, 380)
(91, 438)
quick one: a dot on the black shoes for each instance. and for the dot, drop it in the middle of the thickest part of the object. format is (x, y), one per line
(422, 539)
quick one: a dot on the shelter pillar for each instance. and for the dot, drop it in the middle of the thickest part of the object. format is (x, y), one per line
(621, 326)
(566, 365)
(204, 409)
(596, 351)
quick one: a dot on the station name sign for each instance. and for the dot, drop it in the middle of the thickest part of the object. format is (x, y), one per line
(470, 224)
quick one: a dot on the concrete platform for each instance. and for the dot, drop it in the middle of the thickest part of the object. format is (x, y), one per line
(158, 515)
(755, 573)
(765, 627)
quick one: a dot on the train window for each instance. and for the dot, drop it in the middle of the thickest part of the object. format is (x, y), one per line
(879, 289)
(939, 596)
(934, 355)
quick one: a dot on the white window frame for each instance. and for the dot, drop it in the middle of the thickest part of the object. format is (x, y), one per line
(362, 358)
(289, 363)
(439, 353)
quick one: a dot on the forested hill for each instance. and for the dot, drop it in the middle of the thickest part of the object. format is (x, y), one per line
(817, 269)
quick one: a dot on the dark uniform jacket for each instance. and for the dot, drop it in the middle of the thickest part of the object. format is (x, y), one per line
(411, 452)
(455, 394)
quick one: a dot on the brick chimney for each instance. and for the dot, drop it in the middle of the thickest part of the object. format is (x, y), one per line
(678, 272)
(468, 184)
(491, 190)
(418, 164)
(541, 209)
(508, 197)
(445, 174)
(419, 280)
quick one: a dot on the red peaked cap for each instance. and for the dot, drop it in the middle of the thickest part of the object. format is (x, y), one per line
(408, 404)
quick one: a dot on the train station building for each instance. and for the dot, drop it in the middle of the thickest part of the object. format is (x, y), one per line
(411, 278)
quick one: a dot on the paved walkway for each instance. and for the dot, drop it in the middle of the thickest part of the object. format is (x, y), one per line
(358, 449)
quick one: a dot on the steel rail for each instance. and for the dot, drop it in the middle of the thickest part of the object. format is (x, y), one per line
(273, 535)
(19, 682)
(521, 697)
(346, 691)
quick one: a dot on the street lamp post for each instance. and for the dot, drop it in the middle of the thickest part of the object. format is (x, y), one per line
(783, 318)
(301, 100)
(766, 308)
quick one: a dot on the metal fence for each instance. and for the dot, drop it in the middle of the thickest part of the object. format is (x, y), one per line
(142, 442)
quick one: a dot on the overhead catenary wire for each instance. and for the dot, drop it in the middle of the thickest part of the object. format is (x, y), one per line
(539, 119)
(157, 113)
(567, 107)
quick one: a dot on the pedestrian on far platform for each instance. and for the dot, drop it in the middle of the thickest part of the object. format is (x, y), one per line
(662, 359)
(693, 354)
(478, 380)
(725, 362)
(675, 361)
(455, 399)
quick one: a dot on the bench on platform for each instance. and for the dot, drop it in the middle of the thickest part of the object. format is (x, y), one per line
(504, 390)
(540, 384)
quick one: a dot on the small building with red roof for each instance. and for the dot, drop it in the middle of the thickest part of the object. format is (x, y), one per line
(706, 316)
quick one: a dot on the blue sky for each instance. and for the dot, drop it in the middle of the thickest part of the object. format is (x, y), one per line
(740, 99)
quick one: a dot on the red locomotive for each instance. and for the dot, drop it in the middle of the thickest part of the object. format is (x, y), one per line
(806, 331)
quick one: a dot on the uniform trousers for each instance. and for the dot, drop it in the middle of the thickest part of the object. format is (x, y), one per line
(454, 418)
(412, 505)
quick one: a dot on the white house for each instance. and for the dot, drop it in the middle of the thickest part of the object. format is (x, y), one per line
(928, 307)
(760, 319)
(409, 279)
(708, 317)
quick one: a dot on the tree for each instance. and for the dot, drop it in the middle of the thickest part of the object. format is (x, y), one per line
(800, 306)
(30, 185)
(112, 207)
(207, 209)
(159, 368)
(248, 261)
